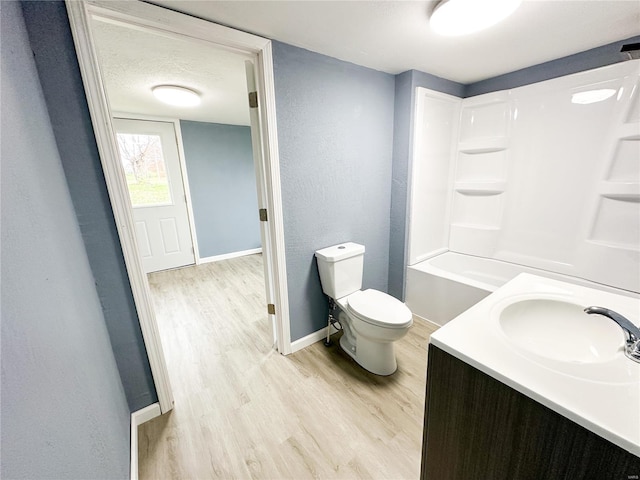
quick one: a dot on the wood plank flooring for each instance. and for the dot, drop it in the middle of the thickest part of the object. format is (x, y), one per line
(243, 411)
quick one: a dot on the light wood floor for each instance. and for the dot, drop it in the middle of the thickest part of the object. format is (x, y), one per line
(244, 411)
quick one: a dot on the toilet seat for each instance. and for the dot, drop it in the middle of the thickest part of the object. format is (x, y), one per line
(378, 308)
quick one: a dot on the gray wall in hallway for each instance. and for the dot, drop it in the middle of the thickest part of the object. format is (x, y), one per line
(54, 52)
(335, 136)
(405, 98)
(222, 181)
(64, 411)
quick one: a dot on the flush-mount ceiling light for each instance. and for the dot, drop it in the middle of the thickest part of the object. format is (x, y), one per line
(592, 96)
(176, 96)
(460, 17)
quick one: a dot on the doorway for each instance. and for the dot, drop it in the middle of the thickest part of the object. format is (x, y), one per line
(166, 24)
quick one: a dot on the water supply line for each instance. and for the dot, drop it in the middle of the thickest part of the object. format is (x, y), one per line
(331, 322)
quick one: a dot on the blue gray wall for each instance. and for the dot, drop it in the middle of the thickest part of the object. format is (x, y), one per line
(54, 53)
(222, 181)
(64, 410)
(580, 62)
(405, 99)
(335, 136)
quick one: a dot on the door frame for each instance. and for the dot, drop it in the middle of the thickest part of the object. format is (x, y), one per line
(166, 22)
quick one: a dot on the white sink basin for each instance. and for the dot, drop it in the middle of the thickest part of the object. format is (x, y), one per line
(554, 332)
(562, 331)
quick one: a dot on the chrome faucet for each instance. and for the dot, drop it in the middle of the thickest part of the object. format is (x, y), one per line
(632, 333)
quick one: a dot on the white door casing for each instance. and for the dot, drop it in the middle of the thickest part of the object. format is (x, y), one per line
(146, 16)
(161, 224)
(256, 147)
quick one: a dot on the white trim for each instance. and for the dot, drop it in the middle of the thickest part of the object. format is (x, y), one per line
(145, 414)
(258, 148)
(417, 112)
(166, 22)
(311, 339)
(226, 256)
(267, 102)
(133, 462)
(138, 418)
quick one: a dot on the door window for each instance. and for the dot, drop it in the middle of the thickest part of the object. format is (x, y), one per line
(145, 169)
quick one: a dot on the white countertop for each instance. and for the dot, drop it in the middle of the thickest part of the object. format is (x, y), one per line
(602, 396)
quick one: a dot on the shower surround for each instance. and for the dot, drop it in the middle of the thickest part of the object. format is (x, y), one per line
(545, 176)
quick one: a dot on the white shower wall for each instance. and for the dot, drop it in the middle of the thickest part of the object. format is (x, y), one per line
(436, 137)
(541, 180)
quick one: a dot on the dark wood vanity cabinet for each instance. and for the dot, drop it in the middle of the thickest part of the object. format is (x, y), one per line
(478, 428)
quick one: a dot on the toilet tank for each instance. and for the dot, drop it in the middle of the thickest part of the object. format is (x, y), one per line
(341, 268)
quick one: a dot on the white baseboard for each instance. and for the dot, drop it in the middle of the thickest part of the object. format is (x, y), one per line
(138, 418)
(226, 256)
(311, 339)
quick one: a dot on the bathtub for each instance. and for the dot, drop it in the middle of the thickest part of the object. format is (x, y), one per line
(442, 287)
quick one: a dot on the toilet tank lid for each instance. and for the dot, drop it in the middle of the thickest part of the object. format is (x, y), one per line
(340, 252)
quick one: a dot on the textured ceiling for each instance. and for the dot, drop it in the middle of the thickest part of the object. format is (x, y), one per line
(133, 61)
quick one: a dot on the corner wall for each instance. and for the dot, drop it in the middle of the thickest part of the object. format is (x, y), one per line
(64, 410)
(335, 136)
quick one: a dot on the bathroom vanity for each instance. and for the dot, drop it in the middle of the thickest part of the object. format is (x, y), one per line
(525, 385)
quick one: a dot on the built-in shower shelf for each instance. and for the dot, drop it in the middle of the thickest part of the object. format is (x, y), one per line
(623, 191)
(474, 226)
(613, 245)
(629, 131)
(485, 188)
(483, 145)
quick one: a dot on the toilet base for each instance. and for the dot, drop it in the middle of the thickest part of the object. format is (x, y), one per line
(375, 357)
(346, 345)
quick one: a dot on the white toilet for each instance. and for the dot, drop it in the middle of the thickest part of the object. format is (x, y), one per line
(371, 320)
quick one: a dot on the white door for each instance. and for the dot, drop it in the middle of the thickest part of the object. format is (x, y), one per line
(262, 199)
(149, 156)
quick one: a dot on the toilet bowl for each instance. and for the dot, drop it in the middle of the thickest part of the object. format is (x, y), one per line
(371, 320)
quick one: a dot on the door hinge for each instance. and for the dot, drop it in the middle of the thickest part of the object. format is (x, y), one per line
(271, 309)
(253, 99)
(263, 214)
